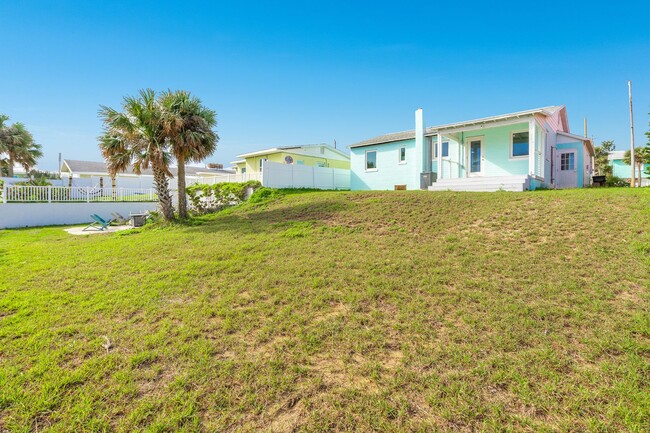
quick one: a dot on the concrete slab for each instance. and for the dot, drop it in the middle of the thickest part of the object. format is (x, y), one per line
(109, 229)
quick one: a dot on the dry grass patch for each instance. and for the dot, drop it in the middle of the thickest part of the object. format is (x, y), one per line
(338, 311)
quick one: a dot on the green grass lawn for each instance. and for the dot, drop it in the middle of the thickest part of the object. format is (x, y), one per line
(337, 311)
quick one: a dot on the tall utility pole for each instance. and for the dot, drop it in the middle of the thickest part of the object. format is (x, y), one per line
(632, 179)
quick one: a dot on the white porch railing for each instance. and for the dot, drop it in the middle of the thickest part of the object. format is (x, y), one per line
(61, 194)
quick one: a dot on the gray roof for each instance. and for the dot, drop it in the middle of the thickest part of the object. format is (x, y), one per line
(93, 167)
(84, 166)
(387, 138)
(433, 130)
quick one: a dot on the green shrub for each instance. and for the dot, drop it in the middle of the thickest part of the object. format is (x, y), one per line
(616, 181)
(37, 181)
(264, 194)
(210, 198)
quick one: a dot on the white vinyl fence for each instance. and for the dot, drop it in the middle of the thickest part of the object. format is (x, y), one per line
(235, 177)
(276, 175)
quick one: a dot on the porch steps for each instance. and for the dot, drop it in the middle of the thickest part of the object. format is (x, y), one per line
(496, 183)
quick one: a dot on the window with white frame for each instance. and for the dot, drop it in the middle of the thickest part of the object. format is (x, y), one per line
(445, 150)
(519, 144)
(262, 162)
(243, 170)
(371, 160)
(567, 161)
(402, 155)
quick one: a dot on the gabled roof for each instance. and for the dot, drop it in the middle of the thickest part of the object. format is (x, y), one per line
(76, 166)
(433, 130)
(293, 149)
(586, 140)
(547, 111)
(99, 168)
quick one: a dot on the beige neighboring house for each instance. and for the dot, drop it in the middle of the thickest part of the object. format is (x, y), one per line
(316, 155)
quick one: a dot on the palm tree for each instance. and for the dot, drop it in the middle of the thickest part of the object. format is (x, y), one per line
(188, 126)
(135, 136)
(639, 160)
(17, 145)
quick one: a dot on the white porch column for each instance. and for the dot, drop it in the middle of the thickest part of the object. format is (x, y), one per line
(531, 146)
(439, 160)
(419, 141)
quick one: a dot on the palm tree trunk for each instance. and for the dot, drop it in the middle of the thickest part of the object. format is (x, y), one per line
(10, 168)
(182, 195)
(164, 197)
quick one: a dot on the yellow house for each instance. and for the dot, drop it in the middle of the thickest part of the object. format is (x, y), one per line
(319, 155)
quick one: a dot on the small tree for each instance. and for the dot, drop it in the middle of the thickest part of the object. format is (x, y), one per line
(639, 160)
(646, 151)
(601, 158)
(38, 175)
(17, 146)
(188, 126)
(135, 136)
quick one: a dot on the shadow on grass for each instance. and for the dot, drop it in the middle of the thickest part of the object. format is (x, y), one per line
(269, 220)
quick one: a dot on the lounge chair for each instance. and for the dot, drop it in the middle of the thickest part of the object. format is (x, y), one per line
(99, 223)
(118, 218)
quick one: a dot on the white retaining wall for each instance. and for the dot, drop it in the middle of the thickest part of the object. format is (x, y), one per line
(13, 215)
(276, 175)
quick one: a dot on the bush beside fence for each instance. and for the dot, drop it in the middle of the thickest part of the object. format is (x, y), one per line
(211, 198)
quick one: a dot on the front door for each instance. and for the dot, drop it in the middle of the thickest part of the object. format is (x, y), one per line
(567, 169)
(475, 156)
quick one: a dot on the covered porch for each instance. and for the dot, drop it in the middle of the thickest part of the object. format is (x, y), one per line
(506, 154)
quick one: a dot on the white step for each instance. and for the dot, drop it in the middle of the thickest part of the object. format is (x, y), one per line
(473, 186)
(492, 179)
(495, 183)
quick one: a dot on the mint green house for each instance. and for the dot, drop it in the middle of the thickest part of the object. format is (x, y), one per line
(623, 170)
(514, 152)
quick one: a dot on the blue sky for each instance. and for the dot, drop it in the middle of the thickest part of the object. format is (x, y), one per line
(286, 73)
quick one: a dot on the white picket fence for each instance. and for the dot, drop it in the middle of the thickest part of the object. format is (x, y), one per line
(61, 194)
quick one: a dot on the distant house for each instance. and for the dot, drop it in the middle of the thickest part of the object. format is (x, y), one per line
(516, 151)
(318, 155)
(91, 173)
(623, 170)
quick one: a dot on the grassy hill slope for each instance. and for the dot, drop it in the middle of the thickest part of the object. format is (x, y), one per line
(330, 311)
